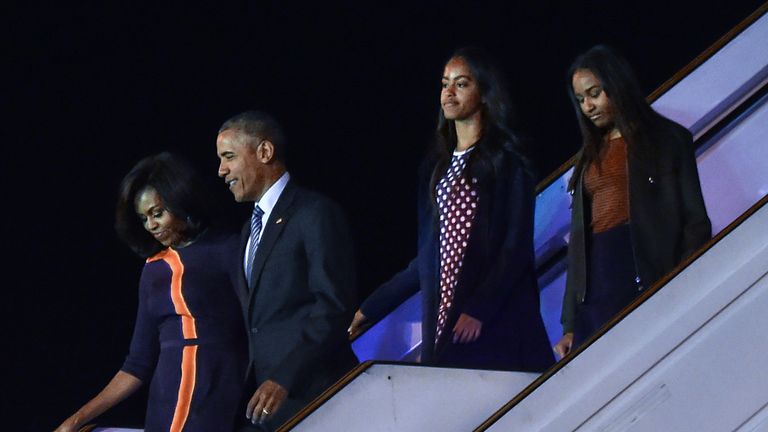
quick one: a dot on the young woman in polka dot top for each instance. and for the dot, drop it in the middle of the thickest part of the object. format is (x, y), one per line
(475, 265)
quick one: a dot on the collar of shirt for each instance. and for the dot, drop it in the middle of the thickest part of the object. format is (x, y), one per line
(267, 204)
(463, 152)
(270, 197)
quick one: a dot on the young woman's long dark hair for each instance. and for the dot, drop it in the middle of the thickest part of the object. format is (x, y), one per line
(632, 114)
(181, 191)
(497, 134)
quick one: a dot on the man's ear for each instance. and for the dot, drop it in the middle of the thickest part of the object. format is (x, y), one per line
(266, 151)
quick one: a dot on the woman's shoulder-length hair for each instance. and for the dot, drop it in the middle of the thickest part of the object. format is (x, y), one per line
(180, 188)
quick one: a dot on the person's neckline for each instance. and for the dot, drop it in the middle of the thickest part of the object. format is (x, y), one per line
(463, 152)
(189, 242)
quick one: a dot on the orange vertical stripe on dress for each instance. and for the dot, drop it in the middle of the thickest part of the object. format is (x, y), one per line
(189, 353)
(186, 388)
(172, 258)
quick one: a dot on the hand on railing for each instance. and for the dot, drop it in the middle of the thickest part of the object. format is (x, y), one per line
(563, 346)
(67, 426)
(70, 425)
(358, 324)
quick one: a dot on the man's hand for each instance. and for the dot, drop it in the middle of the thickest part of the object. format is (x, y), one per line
(563, 346)
(467, 329)
(265, 401)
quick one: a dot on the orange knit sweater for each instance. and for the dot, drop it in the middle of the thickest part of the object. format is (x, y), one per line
(606, 187)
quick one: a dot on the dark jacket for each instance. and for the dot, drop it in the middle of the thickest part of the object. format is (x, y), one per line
(667, 217)
(301, 297)
(496, 285)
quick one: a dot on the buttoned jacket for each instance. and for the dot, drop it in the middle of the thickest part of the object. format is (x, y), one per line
(301, 296)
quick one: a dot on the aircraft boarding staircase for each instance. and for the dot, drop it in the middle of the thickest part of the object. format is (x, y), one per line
(690, 354)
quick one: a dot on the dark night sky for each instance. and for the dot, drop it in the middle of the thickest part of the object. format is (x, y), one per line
(93, 88)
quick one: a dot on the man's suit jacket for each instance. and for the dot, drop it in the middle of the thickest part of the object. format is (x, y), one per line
(301, 297)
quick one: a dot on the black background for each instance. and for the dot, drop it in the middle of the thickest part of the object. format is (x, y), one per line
(94, 87)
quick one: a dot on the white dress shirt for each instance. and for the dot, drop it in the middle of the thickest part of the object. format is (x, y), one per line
(267, 204)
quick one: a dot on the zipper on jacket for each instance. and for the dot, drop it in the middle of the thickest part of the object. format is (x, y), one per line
(638, 280)
(580, 185)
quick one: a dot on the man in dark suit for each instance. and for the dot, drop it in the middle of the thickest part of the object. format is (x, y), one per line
(297, 284)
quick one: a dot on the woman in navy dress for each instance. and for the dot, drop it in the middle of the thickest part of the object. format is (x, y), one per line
(189, 340)
(475, 261)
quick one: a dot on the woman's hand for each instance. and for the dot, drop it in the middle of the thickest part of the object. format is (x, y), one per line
(563, 346)
(356, 325)
(467, 329)
(121, 386)
(69, 425)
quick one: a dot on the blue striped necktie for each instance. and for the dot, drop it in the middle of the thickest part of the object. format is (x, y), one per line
(255, 231)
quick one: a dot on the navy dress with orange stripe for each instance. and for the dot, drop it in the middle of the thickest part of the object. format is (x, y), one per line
(189, 337)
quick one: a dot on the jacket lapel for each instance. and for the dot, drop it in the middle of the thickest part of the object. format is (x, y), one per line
(272, 230)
